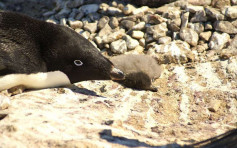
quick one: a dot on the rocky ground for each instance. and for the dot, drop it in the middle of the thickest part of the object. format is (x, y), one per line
(196, 43)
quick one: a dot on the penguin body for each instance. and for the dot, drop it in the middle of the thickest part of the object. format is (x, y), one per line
(34, 51)
(139, 70)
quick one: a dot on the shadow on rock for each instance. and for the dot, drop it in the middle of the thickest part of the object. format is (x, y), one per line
(83, 91)
(107, 135)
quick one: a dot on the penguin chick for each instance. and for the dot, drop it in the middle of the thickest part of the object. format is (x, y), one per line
(139, 70)
(37, 54)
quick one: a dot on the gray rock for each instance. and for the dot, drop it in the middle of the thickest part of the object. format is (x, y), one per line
(230, 12)
(189, 35)
(113, 22)
(214, 13)
(105, 31)
(200, 16)
(91, 27)
(79, 16)
(127, 24)
(205, 35)
(94, 16)
(63, 13)
(137, 34)
(225, 26)
(174, 52)
(198, 27)
(154, 19)
(172, 25)
(172, 13)
(158, 31)
(74, 3)
(118, 46)
(90, 8)
(130, 42)
(102, 22)
(218, 41)
(230, 51)
(114, 11)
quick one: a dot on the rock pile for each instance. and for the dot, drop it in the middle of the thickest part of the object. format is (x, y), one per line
(178, 32)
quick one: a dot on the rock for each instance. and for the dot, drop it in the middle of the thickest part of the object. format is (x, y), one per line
(103, 8)
(214, 105)
(184, 18)
(164, 40)
(113, 36)
(86, 34)
(158, 31)
(79, 16)
(140, 10)
(189, 35)
(201, 48)
(200, 2)
(174, 25)
(113, 22)
(174, 52)
(200, 16)
(128, 9)
(230, 12)
(139, 26)
(63, 22)
(218, 41)
(225, 26)
(172, 13)
(220, 3)
(4, 102)
(154, 19)
(208, 26)
(230, 51)
(91, 27)
(127, 24)
(205, 35)
(63, 13)
(130, 42)
(74, 3)
(102, 22)
(89, 8)
(118, 46)
(114, 11)
(75, 24)
(194, 9)
(142, 42)
(198, 27)
(137, 34)
(214, 13)
(105, 31)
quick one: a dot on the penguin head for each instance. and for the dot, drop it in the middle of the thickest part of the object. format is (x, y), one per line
(77, 57)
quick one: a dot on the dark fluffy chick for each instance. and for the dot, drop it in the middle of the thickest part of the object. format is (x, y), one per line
(140, 70)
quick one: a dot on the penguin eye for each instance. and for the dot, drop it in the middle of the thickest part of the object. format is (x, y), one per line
(78, 63)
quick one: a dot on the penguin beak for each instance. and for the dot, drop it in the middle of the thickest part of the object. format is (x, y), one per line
(116, 74)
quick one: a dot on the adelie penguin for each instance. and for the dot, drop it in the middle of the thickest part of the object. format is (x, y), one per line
(37, 54)
(139, 70)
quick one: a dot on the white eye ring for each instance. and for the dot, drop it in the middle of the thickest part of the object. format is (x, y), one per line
(78, 63)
